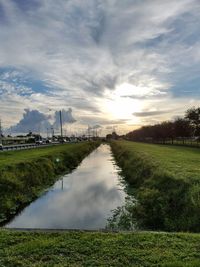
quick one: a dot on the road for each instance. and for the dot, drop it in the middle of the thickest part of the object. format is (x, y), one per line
(24, 146)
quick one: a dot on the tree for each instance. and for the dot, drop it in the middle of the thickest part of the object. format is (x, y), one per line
(167, 130)
(182, 128)
(193, 115)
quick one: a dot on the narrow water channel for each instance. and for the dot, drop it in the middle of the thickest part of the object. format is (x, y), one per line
(83, 199)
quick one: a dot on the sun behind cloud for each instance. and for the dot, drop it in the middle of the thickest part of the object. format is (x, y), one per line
(112, 62)
(118, 106)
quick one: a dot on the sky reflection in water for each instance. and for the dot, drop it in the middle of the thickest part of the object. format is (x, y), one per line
(83, 199)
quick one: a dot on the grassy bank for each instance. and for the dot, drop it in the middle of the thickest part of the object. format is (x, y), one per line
(25, 174)
(166, 183)
(98, 249)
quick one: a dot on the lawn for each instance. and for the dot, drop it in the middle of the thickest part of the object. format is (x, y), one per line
(98, 249)
(22, 156)
(183, 162)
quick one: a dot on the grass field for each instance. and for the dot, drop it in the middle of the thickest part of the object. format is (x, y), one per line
(166, 184)
(25, 174)
(190, 143)
(22, 249)
(182, 162)
(23, 156)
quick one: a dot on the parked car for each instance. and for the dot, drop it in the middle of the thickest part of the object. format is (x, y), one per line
(39, 142)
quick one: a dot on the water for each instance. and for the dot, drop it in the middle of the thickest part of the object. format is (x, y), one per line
(83, 199)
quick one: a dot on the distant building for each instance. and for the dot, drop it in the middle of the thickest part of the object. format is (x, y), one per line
(14, 140)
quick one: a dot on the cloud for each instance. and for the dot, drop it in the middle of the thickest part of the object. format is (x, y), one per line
(33, 121)
(95, 127)
(66, 116)
(61, 41)
(72, 52)
(150, 113)
(36, 121)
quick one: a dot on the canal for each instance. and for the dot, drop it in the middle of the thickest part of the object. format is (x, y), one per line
(82, 199)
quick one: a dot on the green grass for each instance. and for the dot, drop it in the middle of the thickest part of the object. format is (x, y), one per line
(166, 183)
(22, 249)
(182, 162)
(22, 156)
(189, 143)
(24, 175)
(160, 177)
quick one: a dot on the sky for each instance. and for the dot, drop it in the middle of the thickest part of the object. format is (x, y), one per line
(107, 64)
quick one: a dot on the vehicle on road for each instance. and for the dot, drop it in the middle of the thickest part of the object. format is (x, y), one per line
(39, 142)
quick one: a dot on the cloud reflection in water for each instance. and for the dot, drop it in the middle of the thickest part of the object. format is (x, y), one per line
(83, 199)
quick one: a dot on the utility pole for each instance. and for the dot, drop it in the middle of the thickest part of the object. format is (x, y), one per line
(52, 132)
(88, 132)
(61, 130)
(0, 133)
(39, 132)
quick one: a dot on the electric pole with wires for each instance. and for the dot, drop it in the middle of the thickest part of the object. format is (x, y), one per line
(1, 133)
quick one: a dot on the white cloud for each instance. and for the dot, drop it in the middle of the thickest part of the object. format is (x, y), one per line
(33, 121)
(36, 121)
(83, 49)
(66, 117)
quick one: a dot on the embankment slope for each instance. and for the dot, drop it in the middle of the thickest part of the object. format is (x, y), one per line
(166, 183)
(25, 174)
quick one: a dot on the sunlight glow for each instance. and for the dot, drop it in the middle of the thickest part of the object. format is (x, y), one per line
(119, 106)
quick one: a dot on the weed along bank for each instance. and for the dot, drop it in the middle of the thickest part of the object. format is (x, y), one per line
(82, 199)
(165, 181)
(24, 175)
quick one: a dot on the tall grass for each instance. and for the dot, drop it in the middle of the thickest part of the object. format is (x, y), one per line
(23, 181)
(166, 199)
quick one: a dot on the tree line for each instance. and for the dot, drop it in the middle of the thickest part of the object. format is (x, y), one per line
(183, 129)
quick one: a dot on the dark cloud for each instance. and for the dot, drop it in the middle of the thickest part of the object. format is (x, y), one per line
(27, 5)
(111, 127)
(98, 28)
(95, 127)
(96, 85)
(150, 113)
(91, 120)
(84, 104)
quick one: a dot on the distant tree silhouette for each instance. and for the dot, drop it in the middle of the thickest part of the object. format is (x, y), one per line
(180, 128)
(193, 115)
